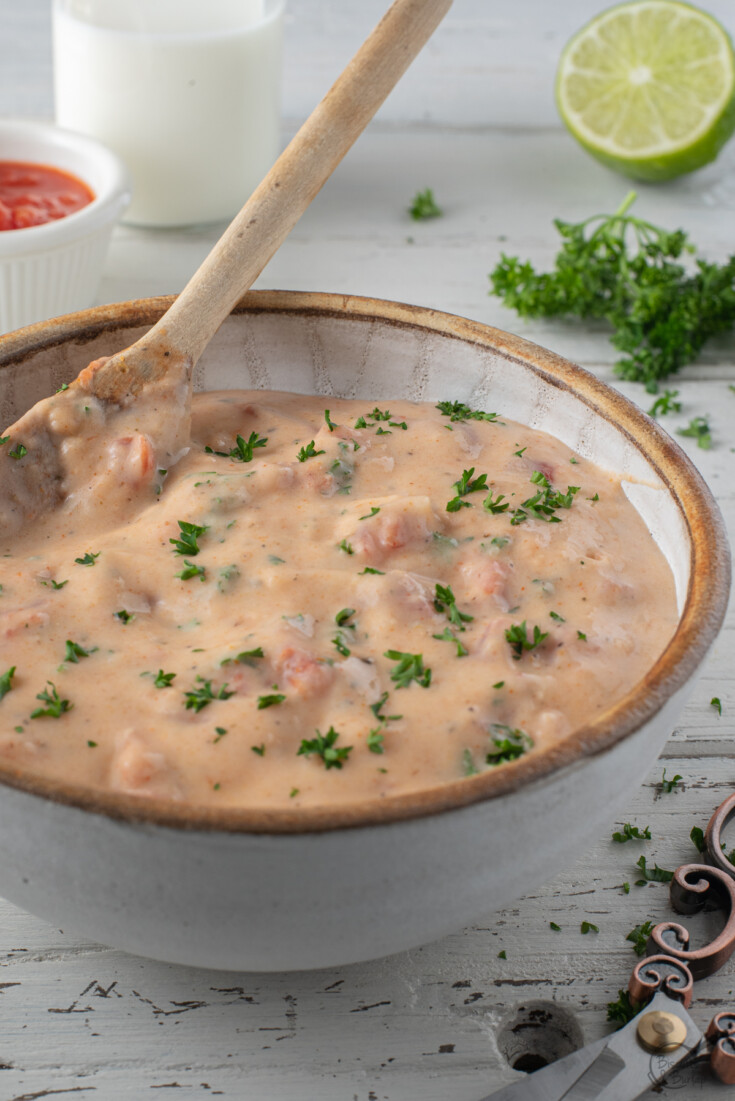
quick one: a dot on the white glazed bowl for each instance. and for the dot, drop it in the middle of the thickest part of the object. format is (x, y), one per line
(275, 890)
(51, 269)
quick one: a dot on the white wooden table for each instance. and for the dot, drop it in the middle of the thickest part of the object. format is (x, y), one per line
(474, 120)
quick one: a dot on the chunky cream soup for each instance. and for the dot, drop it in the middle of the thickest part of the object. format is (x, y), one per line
(318, 606)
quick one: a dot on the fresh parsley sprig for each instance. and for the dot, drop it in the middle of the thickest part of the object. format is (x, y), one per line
(508, 744)
(466, 484)
(624, 270)
(445, 601)
(55, 705)
(309, 452)
(198, 698)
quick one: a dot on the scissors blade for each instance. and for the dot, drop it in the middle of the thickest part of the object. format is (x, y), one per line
(624, 1070)
(549, 1083)
(615, 1068)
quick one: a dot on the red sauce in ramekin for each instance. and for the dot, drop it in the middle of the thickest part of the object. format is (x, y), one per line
(33, 194)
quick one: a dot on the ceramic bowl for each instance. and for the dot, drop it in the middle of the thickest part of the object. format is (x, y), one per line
(273, 890)
(50, 269)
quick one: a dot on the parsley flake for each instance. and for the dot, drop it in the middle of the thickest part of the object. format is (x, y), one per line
(375, 740)
(270, 701)
(631, 833)
(717, 704)
(458, 411)
(369, 569)
(424, 206)
(187, 541)
(665, 403)
(191, 570)
(698, 429)
(373, 512)
(88, 559)
(323, 745)
(652, 875)
(163, 680)
(698, 838)
(123, 616)
(309, 452)
(198, 698)
(588, 927)
(259, 749)
(509, 744)
(639, 937)
(517, 636)
(55, 584)
(466, 484)
(74, 652)
(346, 547)
(445, 601)
(18, 451)
(667, 786)
(6, 682)
(56, 706)
(449, 636)
(330, 423)
(624, 1009)
(410, 667)
(341, 617)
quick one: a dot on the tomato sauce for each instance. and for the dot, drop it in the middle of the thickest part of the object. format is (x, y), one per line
(33, 194)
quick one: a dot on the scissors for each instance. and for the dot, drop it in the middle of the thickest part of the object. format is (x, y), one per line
(662, 1036)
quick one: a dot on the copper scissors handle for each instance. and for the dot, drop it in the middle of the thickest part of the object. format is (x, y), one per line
(670, 965)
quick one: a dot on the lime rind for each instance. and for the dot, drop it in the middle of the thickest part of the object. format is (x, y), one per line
(648, 87)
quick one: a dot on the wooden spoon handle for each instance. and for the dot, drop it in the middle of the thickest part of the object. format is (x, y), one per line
(299, 173)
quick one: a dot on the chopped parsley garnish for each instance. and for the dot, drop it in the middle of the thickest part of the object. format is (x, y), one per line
(123, 616)
(92, 745)
(6, 682)
(410, 667)
(448, 635)
(665, 403)
(499, 684)
(544, 504)
(198, 698)
(309, 452)
(74, 652)
(339, 644)
(717, 704)
(652, 875)
(55, 584)
(502, 955)
(632, 833)
(554, 927)
(242, 452)
(369, 569)
(368, 516)
(375, 740)
(378, 706)
(466, 484)
(698, 428)
(557, 618)
(18, 451)
(517, 637)
(667, 786)
(588, 927)
(88, 559)
(259, 749)
(220, 732)
(341, 617)
(4, 439)
(330, 423)
(163, 680)
(458, 411)
(445, 601)
(246, 657)
(519, 453)
(55, 706)
(509, 744)
(346, 547)
(191, 570)
(270, 701)
(469, 768)
(495, 506)
(187, 541)
(639, 937)
(499, 541)
(424, 206)
(323, 745)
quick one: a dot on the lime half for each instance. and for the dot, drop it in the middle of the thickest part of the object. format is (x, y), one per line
(649, 88)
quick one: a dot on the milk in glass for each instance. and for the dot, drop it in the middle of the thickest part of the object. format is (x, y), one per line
(187, 92)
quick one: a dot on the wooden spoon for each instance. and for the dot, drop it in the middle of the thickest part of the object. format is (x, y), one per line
(161, 362)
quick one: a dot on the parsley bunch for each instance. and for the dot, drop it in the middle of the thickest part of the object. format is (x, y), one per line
(624, 270)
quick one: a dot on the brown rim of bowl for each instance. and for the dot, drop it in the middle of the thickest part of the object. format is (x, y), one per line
(699, 623)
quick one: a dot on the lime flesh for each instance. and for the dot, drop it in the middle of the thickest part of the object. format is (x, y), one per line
(649, 88)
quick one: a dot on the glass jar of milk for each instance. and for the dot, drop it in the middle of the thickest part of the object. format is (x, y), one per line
(187, 92)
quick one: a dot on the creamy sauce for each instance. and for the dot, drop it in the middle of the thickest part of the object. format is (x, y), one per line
(297, 618)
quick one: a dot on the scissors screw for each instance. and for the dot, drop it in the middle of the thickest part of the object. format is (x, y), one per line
(659, 1031)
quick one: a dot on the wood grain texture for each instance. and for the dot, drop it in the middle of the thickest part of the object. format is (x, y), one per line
(79, 1018)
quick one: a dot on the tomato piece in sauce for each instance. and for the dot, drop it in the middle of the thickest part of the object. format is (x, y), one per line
(33, 194)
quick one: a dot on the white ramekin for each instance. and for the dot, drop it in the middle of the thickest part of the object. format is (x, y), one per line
(54, 268)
